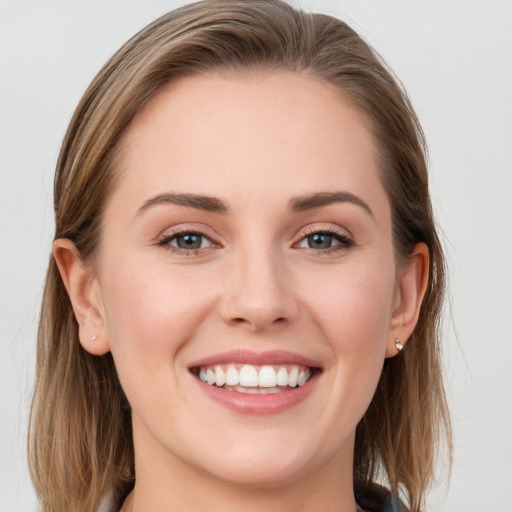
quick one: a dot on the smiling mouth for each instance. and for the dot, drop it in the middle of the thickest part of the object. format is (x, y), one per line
(255, 380)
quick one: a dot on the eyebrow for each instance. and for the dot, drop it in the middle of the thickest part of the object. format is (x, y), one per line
(311, 201)
(199, 202)
(297, 203)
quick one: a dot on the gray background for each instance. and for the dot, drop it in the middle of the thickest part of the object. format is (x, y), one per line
(455, 59)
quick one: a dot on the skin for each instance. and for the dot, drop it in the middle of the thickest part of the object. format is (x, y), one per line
(254, 142)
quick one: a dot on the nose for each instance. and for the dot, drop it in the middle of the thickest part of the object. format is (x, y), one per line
(258, 293)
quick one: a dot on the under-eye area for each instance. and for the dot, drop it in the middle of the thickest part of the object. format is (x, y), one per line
(255, 379)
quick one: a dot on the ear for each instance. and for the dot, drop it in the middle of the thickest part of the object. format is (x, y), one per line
(84, 292)
(409, 293)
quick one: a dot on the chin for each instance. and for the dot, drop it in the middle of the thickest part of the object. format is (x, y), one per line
(264, 463)
(262, 473)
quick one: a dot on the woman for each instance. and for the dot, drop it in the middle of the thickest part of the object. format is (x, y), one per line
(241, 310)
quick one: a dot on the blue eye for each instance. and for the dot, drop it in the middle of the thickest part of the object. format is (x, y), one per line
(325, 240)
(189, 241)
(319, 241)
(186, 241)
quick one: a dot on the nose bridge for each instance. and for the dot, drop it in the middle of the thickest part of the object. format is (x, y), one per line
(258, 294)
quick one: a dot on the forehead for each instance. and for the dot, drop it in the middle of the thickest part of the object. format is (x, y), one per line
(258, 134)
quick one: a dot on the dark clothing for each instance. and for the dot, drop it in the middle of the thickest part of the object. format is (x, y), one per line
(377, 499)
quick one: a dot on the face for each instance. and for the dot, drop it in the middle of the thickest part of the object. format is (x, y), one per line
(246, 281)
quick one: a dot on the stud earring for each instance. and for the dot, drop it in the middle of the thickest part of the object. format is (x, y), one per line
(92, 338)
(398, 345)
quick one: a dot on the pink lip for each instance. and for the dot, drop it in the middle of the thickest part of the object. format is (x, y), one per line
(259, 404)
(274, 357)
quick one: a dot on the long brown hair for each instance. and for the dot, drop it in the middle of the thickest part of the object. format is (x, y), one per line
(80, 441)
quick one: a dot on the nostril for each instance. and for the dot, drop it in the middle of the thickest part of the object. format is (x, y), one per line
(241, 320)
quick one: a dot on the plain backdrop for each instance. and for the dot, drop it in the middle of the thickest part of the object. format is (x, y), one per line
(454, 58)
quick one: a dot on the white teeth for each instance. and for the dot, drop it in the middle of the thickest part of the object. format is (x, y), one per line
(256, 391)
(302, 378)
(293, 377)
(248, 376)
(267, 377)
(232, 376)
(220, 376)
(210, 376)
(282, 377)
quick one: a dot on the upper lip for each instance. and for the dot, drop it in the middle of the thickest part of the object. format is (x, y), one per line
(273, 357)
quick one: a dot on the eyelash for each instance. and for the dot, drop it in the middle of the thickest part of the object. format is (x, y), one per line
(345, 241)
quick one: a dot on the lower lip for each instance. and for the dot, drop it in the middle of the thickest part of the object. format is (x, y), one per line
(272, 403)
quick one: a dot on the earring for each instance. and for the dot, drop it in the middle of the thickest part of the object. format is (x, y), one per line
(92, 338)
(398, 345)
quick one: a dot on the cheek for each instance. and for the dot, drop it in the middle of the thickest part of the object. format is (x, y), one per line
(150, 314)
(353, 313)
(355, 306)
